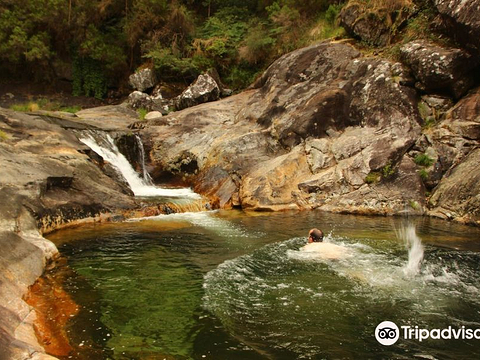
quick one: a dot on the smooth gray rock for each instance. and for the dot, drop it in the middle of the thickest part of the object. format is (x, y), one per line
(152, 115)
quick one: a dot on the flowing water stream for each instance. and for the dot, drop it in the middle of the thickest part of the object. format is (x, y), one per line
(234, 285)
(103, 144)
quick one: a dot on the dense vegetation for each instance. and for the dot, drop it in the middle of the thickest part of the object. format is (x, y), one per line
(100, 42)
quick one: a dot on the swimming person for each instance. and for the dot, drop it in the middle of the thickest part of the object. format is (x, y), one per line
(315, 235)
(322, 250)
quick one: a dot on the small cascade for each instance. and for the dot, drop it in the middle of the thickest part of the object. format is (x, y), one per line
(104, 145)
(415, 249)
(146, 176)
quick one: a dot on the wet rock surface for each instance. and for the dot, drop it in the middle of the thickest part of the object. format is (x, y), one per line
(324, 127)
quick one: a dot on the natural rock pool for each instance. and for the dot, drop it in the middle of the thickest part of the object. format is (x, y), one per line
(234, 285)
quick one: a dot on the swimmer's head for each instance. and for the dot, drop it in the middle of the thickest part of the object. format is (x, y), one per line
(315, 235)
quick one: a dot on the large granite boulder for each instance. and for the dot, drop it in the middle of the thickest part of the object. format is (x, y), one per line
(204, 89)
(139, 100)
(375, 22)
(449, 143)
(313, 129)
(440, 69)
(461, 21)
(143, 79)
(458, 195)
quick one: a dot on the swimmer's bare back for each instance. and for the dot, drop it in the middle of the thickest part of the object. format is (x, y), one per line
(326, 250)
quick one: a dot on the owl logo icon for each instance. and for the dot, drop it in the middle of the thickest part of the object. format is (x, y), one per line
(387, 333)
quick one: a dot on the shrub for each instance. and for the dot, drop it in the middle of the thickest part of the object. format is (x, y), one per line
(423, 174)
(71, 109)
(423, 160)
(88, 78)
(373, 177)
(240, 77)
(332, 13)
(142, 112)
(388, 171)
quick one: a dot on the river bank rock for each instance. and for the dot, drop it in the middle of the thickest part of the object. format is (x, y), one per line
(316, 124)
(457, 195)
(440, 69)
(47, 181)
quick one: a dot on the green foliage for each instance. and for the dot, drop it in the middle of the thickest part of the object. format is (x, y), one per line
(107, 39)
(240, 76)
(373, 177)
(423, 160)
(89, 78)
(71, 109)
(258, 45)
(332, 13)
(388, 171)
(3, 136)
(429, 122)
(102, 46)
(20, 107)
(44, 104)
(414, 204)
(173, 66)
(221, 36)
(142, 112)
(423, 174)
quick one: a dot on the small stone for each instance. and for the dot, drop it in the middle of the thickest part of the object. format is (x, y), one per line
(153, 115)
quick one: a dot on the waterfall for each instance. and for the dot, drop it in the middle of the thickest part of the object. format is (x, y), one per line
(146, 176)
(103, 145)
(415, 249)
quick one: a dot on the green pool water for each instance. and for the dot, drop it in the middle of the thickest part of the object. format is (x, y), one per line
(233, 285)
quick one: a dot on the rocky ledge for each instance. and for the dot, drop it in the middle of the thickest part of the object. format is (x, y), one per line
(48, 180)
(328, 128)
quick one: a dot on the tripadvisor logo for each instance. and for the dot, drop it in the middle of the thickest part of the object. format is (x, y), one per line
(387, 333)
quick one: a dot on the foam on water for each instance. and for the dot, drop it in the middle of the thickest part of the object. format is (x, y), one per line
(204, 219)
(107, 149)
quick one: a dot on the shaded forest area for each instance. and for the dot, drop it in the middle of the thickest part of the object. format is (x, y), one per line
(96, 44)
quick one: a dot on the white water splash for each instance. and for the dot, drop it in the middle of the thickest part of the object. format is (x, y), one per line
(140, 187)
(415, 248)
